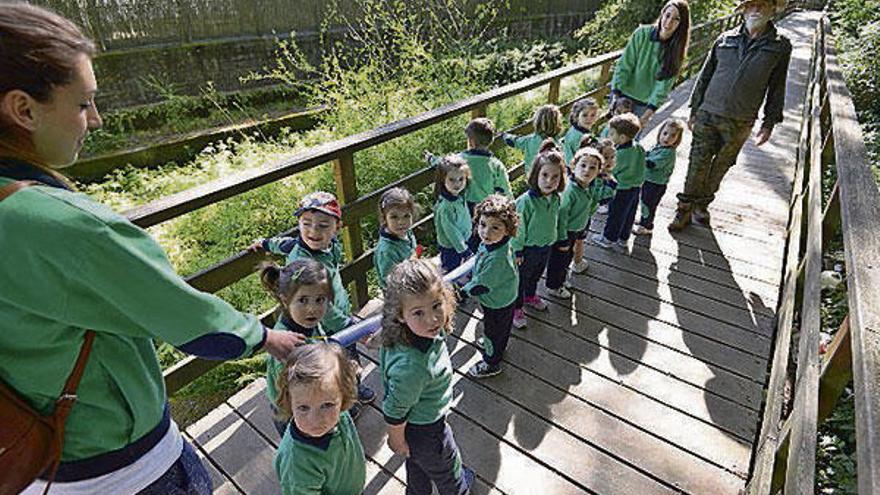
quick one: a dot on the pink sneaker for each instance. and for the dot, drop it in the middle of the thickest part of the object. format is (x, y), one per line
(535, 302)
(519, 318)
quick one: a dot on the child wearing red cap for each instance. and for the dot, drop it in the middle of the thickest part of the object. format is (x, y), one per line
(320, 219)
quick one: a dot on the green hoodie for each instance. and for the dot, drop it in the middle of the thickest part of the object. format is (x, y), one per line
(629, 165)
(636, 70)
(333, 464)
(452, 222)
(659, 164)
(577, 206)
(71, 264)
(529, 144)
(495, 277)
(571, 142)
(390, 251)
(417, 380)
(538, 216)
(488, 175)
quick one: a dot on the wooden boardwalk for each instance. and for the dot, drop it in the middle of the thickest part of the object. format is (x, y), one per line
(649, 381)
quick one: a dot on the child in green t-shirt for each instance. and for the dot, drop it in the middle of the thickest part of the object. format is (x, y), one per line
(547, 124)
(659, 163)
(320, 451)
(495, 279)
(417, 377)
(397, 212)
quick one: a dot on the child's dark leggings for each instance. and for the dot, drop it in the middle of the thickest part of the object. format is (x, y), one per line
(533, 265)
(433, 456)
(557, 265)
(496, 330)
(450, 259)
(651, 196)
(622, 214)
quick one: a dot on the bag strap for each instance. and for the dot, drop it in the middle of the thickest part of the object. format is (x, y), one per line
(14, 187)
(68, 395)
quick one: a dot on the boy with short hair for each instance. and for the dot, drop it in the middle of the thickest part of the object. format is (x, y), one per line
(629, 171)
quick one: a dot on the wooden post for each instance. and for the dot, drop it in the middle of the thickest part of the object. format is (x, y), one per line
(604, 79)
(346, 191)
(553, 93)
(831, 218)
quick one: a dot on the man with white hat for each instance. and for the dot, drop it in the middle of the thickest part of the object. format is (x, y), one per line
(746, 65)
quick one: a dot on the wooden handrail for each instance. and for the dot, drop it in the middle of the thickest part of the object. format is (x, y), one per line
(835, 139)
(860, 219)
(354, 208)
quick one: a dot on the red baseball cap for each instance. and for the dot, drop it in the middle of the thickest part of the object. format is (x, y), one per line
(320, 201)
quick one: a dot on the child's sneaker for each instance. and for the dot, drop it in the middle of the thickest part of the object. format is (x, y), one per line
(602, 210)
(601, 241)
(621, 246)
(365, 394)
(519, 318)
(535, 302)
(469, 478)
(561, 293)
(642, 230)
(580, 266)
(484, 370)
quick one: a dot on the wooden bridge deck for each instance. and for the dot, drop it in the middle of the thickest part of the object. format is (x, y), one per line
(649, 381)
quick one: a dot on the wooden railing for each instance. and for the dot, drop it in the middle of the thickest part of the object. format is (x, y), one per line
(356, 205)
(830, 136)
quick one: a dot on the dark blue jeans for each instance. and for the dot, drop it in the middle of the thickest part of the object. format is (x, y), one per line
(450, 259)
(622, 214)
(433, 457)
(496, 328)
(533, 265)
(651, 196)
(187, 476)
(557, 266)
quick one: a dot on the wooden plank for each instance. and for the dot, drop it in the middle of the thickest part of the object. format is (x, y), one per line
(831, 218)
(629, 358)
(801, 473)
(240, 452)
(861, 218)
(594, 293)
(665, 270)
(566, 462)
(735, 314)
(553, 91)
(221, 484)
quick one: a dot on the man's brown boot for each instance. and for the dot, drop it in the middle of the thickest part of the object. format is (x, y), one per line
(682, 218)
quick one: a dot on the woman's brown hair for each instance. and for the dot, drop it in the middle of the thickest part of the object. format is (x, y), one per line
(411, 278)
(39, 50)
(311, 363)
(674, 49)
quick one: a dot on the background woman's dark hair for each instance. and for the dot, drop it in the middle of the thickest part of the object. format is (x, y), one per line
(39, 50)
(674, 49)
(283, 283)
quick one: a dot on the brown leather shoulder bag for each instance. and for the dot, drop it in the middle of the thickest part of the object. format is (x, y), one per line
(30, 443)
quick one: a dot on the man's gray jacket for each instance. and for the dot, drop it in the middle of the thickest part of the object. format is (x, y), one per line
(739, 72)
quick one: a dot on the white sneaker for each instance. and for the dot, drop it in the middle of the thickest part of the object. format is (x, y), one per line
(621, 246)
(561, 293)
(602, 210)
(640, 230)
(580, 266)
(519, 319)
(601, 241)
